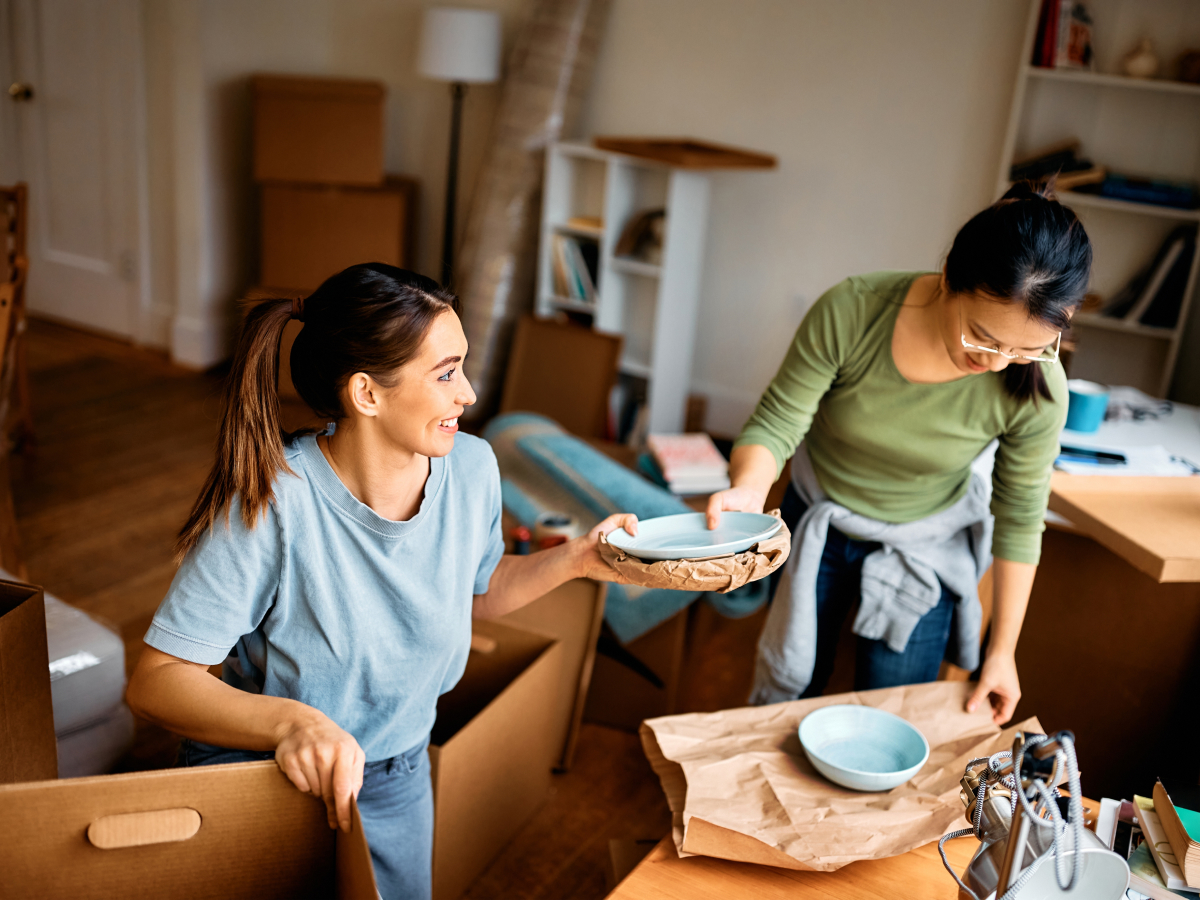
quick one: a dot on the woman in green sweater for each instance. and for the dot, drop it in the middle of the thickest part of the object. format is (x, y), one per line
(897, 382)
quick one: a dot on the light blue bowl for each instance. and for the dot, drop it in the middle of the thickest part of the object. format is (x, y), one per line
(862, 748)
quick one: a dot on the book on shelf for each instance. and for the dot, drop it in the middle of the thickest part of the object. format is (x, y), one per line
(1154, 295)
(575, 265)
(1063, 162)
(1064, 35)
(1178, 809)
(689, 463)
(1151, 191)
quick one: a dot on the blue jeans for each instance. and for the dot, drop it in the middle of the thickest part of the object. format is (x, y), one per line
(839, 583)
(396, 805)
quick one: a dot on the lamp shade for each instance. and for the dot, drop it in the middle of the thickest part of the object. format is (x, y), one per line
(460, 45)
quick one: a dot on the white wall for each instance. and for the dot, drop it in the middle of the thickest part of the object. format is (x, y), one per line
(887, 119)
(199, 55)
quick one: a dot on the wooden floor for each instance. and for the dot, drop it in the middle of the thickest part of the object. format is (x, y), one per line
(124, 441)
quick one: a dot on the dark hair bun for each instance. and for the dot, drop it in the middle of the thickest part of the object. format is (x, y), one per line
(1033, 190)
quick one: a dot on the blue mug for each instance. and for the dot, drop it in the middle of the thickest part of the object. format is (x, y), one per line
(1087, 405)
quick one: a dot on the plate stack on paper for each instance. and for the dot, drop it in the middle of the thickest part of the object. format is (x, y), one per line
(689, 463)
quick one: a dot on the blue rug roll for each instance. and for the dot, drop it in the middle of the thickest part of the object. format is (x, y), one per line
(544, 469)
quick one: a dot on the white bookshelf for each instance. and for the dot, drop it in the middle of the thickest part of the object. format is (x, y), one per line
(651, 305)
(1147, 127)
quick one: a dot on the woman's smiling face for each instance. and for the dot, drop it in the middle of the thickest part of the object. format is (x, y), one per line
(419, 411)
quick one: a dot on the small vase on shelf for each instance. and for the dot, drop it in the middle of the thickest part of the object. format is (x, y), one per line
(1142, 61)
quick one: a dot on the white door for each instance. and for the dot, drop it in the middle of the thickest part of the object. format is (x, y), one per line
(79, 139)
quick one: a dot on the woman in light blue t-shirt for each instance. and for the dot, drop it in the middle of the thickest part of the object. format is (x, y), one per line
(336, 574)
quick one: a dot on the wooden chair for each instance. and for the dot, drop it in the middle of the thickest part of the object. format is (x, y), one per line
(16, 418)
(16, 414)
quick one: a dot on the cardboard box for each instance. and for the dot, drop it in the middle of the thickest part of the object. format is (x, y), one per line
(572, 613)
(27, 746)
(208, 833)
(492, 749)
(318, 130)
(564, 372)
(310, 233)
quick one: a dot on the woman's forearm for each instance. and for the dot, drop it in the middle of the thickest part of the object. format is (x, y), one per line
(519, 580)
(1012, 583)
(184, 698)
(752, 467)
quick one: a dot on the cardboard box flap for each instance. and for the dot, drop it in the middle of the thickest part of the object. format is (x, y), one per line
(257, 836)
(488, 676)
(27, 748)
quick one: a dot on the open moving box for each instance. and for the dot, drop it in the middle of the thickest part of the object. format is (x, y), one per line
(209, 833)
(27, 748)
(572, 613)
(493, 746)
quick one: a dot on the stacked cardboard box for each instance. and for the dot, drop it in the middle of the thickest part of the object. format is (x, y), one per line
(318, 159)
(325, 201)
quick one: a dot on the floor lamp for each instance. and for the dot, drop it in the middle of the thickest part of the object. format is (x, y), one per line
(461, 46)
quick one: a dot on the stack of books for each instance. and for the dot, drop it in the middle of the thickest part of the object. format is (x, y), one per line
(1061, 160)
(1064, 36)
(1133, 831)
(1154, 296)
(687, 463)
(1178, 809)
(575, 268)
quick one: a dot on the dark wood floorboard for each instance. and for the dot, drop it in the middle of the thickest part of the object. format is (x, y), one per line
(124, 440)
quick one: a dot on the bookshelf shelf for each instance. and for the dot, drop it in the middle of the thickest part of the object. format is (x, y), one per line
(582, 231)
(653, 307)
(1099, 79)
(635, 367)
(636, 267)
(1108, 323)
(569, 305)
(1077, 198)
(1133, 126)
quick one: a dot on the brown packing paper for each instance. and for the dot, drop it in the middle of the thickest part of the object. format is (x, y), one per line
(720, 574)
(740, 787)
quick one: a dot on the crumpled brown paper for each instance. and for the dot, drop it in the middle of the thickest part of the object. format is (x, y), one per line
(740, 787)
(719, 574)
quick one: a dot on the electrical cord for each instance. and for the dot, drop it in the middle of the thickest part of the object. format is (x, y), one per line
(1037, 812)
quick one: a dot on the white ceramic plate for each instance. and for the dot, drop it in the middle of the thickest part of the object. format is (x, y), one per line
(686, 536)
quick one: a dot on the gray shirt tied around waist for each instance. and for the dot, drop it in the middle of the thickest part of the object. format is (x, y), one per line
(901, 581)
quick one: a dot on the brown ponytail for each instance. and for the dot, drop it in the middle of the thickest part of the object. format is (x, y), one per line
(368, 318)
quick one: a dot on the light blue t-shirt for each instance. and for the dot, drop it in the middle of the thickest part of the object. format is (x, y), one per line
(329, 603)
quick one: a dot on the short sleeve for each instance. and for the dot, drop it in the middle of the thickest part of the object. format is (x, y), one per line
(822, 342)
(222, 591)
(493, 542)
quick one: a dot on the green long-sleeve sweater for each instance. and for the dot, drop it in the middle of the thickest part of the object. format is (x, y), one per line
(894, 450)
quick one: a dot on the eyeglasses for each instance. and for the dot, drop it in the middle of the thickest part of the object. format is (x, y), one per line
(1048, 355)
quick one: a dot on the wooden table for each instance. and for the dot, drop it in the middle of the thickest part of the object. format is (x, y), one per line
(917, 874)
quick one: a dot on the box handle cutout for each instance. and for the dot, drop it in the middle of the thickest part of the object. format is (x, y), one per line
(481, 643)
(158, 826)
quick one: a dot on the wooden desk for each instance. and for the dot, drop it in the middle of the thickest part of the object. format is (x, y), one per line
(1152, 523)
(919, 873)
(1111, 643)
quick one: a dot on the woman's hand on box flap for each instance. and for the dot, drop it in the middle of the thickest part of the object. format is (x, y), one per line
(323, 760)
(591, 564)
(735, 499)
